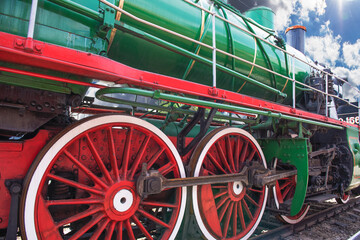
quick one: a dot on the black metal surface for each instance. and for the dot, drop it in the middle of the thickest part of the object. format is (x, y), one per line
(152, 182)
(26, 109)
(204, 127)
(14, 187)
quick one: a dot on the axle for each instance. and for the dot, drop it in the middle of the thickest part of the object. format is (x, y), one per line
(152, 182)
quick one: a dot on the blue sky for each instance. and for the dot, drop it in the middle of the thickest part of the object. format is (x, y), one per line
(333, 32)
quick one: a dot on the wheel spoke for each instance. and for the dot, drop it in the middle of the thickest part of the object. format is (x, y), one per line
(112, 153)
(242, 217)
(154, 158)
(221, 193)
(216, 163)
(126, 156)
(129, 230)
(285, 185)
(238, 148)
(76, 184)
(139, 156)
(286, 192)
(248, 212)
(85, 170)
(252, 200)
(153, 218)
(84, 201)
(141, 227)
(234, 220)
(79, 216)
(98, 159)
(110, 230)
(227, 219)
(221, 202)
(166, 168)
(222, 157)
(252, 154)
(120, 231)
(100, 229)
(86, 228)
(230, 152)
(244, 151)
(224, 209)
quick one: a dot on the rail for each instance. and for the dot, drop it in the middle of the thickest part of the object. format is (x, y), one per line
(216, 66)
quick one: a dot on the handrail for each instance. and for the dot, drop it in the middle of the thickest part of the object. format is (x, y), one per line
(214, 49)
(264, 40)
(100, 94)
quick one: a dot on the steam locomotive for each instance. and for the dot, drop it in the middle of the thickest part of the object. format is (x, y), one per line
(137, 119)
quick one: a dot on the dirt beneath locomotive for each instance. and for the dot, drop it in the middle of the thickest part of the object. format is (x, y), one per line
(340, 227)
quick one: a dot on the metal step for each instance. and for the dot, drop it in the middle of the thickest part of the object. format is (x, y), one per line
(320, 198)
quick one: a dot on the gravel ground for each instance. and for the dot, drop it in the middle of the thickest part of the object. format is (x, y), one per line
(339, 227)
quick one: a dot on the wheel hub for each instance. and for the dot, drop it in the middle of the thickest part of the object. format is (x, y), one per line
(236, 190)
(237, 187)
(123, 200)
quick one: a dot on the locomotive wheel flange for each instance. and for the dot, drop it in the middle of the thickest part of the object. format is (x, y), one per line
(227, 210)
(82, 185)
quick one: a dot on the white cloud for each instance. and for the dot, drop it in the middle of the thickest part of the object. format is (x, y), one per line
(353, 76)
(326, 48)
(307, 6)
(352, 54)
(283, 9)
(302, 8)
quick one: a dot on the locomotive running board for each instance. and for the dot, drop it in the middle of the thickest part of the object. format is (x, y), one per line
(152, 182)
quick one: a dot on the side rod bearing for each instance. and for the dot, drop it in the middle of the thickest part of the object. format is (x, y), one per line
(153, 182)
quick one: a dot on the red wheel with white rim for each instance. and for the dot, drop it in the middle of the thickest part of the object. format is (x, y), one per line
(83, 183)
(344, 199)
(284, 190)
(230, 210)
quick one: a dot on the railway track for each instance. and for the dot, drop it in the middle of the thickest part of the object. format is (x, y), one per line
(336, 216)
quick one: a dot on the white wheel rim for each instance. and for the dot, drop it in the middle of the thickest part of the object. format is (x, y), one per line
(30, 199)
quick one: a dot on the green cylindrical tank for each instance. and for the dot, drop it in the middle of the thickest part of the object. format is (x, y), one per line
(56, 24)
(191, 21)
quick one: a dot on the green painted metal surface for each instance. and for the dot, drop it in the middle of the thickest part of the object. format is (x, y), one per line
(102, 95)
(262, 15)
(353, 141)
(57, 25)
(81, 24)
(188, 20)
(294, 152)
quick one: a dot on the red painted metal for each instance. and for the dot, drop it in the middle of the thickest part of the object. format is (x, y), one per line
(230, 203)
(58, 79)
(15, 160)
(93, 66)
(99, 164)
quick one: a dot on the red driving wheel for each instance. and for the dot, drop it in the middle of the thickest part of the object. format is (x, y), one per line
(83, 183)
(227, 210)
